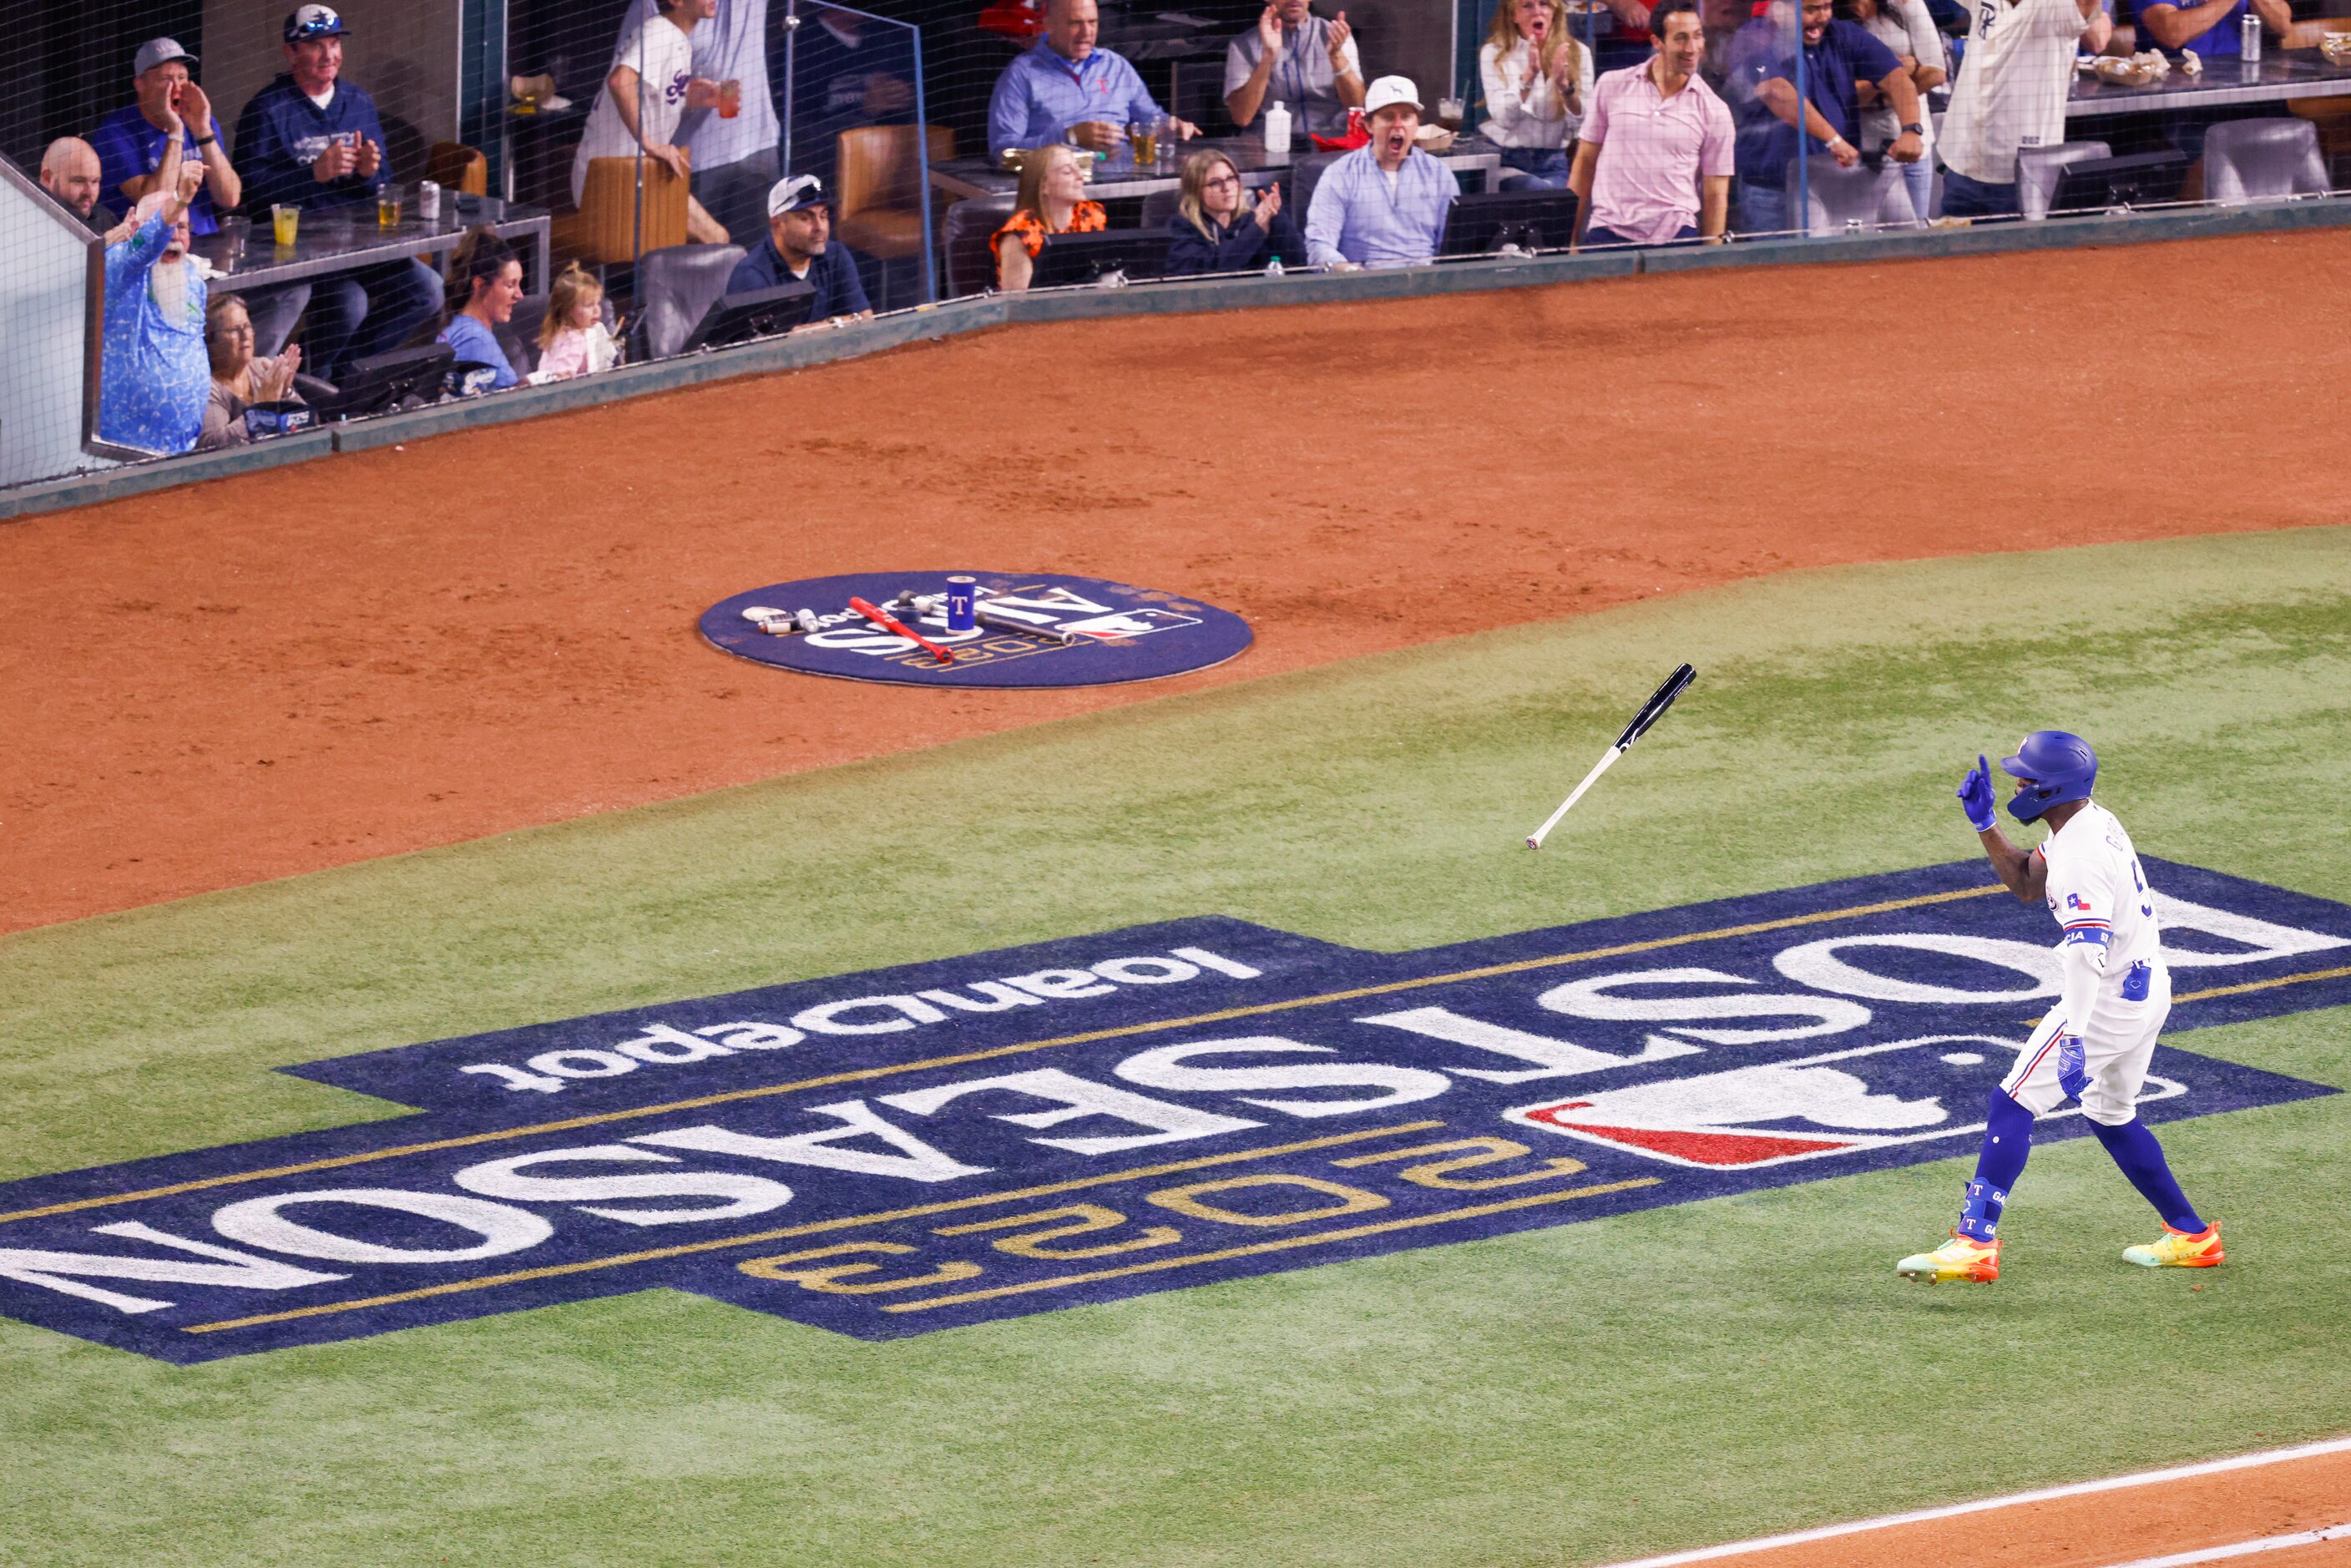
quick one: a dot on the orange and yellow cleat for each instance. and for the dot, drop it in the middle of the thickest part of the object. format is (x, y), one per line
(2180, 1250)
(1958, 1258)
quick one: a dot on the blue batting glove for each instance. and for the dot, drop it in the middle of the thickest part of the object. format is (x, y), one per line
(2072, 1072)
(1977, 799)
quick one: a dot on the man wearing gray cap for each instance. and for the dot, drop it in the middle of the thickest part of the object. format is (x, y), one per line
(169, 106)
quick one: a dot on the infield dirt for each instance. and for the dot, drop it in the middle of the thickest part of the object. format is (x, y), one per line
(395, 649)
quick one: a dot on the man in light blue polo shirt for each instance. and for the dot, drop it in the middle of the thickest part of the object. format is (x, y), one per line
(1384, 204)
(1066, 89)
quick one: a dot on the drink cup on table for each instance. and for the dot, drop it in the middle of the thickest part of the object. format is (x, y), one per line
(387, 207)
(283, 221)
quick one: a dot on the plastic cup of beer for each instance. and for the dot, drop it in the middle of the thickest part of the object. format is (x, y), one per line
(283, 220)
(1142, 138)
(387, 207)
(730, 98)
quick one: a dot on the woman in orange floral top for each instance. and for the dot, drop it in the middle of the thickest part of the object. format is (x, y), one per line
(1051, 202)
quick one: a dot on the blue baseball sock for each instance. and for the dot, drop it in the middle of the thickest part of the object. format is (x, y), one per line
(2008, 1139)
(2141, 1159)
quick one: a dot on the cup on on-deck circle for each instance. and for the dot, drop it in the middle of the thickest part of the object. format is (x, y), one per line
(730, 98)
(283, 223)
(962, 600)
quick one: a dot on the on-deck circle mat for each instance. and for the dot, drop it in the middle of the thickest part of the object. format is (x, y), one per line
(1077, 631)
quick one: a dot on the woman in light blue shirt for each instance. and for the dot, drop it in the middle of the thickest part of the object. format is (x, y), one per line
(493, 276)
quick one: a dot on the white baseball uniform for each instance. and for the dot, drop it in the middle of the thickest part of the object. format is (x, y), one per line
(2117, 989)
(662, 53)
(2014, 81)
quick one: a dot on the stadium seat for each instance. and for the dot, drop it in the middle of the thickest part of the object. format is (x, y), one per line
(1304, 175)
(520, 336)
(1158, 207)
(611, 226)
(453, 166)
(880, 198)
(879, 193)
(1833, 197)
(2247, 160)
(964, 242)
(2038, 170)
(676, 286)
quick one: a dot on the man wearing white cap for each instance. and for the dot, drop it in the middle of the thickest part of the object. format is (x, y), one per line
(799, 248)
(169, 106)
(1384, 204)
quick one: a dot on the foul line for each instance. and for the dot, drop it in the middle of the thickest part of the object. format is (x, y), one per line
(845, 1222)
(1256, 1248)
(853, 1075)
(2244, 1548)
(1983, 1505)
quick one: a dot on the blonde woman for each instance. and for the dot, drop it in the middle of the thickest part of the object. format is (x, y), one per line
(1053, 200)
(1537, 79)
(1217, 229)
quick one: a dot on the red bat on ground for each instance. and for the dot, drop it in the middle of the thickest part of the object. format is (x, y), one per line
(888, 624)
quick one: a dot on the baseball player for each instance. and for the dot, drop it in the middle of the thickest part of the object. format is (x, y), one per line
(2095, 1043)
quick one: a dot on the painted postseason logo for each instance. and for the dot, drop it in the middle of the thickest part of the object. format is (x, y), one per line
(943, 1144)
(1079, 631)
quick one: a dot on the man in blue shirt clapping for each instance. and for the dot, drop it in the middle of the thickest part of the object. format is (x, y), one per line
(311, 140)
(799, 249)
(1066, 89)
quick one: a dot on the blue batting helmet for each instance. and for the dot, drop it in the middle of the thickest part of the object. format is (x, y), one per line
(2061, 767)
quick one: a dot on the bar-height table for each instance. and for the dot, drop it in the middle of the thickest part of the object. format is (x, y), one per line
(2276, 75)
(343, 241)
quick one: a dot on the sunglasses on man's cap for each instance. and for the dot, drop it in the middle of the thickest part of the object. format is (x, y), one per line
(313, 21)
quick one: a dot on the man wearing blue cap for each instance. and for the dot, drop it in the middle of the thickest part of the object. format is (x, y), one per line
(312, 140)
(801, 248)
(2095, 1042)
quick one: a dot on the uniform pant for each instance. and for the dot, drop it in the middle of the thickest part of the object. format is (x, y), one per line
(2116, 1046)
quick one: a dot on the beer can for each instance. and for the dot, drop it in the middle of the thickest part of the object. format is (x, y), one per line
(428, 199)
(962, 597)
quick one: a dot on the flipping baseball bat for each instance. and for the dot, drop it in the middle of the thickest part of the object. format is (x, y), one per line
(1651, 712)
(882, 619)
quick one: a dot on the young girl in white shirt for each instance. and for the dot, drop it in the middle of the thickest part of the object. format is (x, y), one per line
(1536, 79)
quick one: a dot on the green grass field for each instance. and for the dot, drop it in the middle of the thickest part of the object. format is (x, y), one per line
(1571, 1395)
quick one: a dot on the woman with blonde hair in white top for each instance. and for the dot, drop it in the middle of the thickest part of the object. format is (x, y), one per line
(1536, 79)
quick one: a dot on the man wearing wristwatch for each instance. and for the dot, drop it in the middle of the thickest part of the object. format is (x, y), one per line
(169, 106)
(1838, 57)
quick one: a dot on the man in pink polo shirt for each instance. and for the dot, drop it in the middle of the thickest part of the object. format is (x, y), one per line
(1652, 161)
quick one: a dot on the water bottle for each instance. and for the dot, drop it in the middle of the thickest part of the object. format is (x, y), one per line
(2249, 33)
(1276, 131)
(1273, 267)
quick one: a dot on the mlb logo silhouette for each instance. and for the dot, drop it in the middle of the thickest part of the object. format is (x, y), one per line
(1839, 1103)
